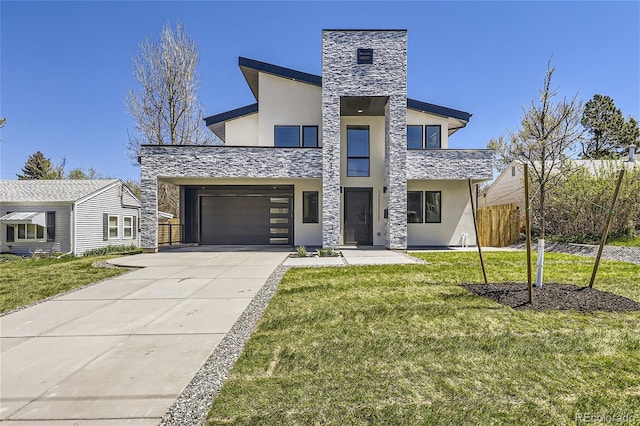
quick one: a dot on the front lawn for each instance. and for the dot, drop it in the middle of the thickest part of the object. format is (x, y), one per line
(408, 345)
(25, 281)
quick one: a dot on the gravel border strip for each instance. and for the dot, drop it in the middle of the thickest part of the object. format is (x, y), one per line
(619, 253)
(194, 403)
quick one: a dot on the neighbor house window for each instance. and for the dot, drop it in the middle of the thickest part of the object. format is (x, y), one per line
(433, 206)
(358, 151)
(30, 231)
(287, 136)
(113, 227)
(414, 137)
(432, 137)
(127, 227)
(310, 136)
(310, 207)
(414, 207)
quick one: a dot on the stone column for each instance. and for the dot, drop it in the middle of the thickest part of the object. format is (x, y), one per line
(149, 210)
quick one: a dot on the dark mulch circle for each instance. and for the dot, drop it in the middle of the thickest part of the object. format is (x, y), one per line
(564, 297)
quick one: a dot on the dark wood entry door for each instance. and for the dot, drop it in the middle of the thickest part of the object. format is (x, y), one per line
(358, 207)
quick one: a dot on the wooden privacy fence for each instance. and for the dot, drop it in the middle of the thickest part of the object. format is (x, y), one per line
(499, 226)
(170, 231)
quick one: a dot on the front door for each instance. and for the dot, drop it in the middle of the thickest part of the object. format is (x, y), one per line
(358, 207)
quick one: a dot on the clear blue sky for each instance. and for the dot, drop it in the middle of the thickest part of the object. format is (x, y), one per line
(66, 66)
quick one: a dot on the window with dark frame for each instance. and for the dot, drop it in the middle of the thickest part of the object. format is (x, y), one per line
(310, 136)
(365, 56)
(433, 207)
(414, 137)
(286, 136)
(358, 151)
(414, 207)
(432, 137)
(310, 207)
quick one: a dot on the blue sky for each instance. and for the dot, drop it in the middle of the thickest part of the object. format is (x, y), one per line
(66, 66)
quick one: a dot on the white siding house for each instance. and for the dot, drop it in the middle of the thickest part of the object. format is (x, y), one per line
(66, 216)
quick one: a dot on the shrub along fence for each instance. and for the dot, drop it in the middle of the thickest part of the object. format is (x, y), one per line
(499, 226)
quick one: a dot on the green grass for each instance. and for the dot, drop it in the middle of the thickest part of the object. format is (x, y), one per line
(28, 280)
(624, 241)
(407, 345)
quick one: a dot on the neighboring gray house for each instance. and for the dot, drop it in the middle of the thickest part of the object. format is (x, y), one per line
(66, 216)
(338, 159)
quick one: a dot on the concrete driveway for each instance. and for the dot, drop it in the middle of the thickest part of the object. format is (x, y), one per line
(121, 351)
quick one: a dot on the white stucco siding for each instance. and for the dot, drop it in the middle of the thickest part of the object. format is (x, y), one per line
(457, 215)
(89, 220)
(422, 118)
(242, 131)
(375, 179)
(62, 241)
(287, 102)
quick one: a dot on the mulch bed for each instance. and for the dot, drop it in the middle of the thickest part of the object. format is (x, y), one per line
(564, 297)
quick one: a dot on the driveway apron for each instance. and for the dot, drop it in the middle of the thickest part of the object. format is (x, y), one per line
(121, 351)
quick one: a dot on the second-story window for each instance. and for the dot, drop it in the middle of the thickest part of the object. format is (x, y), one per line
(414, 137)
(310, 136)
(432, 139)
(358, 151)
(289, 136)
(286, 136)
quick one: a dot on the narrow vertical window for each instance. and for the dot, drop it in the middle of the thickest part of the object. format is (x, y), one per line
(358, 151)
(310, 207)
(51, 226)
(433, 206)
(414, 207)
(310, 136)
(414, 137)
(432, 137)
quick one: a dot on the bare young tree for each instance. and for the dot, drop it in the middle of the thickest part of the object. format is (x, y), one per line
(548, 134)
(165, 109)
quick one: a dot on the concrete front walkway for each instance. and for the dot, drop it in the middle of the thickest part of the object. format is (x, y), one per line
(120, 352)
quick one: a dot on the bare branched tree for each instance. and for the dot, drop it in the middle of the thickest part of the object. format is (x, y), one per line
(166, 109)
(548, 134)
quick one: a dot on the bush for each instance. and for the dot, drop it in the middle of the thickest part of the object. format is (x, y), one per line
(122, 249)
(577, 208)
(302, 251)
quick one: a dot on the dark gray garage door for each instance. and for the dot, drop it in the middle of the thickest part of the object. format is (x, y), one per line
(245, 220)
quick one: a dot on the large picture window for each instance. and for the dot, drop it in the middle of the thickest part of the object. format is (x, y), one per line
(310, 207)
(414, 207)
(432, 139)
(358, 151)
(30, 231)
(287, 136)
(414, 137)
(433, 206)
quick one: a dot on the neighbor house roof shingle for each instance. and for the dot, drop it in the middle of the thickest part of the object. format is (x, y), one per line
(33, 191)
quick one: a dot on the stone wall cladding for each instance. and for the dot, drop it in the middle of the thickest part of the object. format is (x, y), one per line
(450, 164)
(157, 161)
(343, 76)
(225, 162)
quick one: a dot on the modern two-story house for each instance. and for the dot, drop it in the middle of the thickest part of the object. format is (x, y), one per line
(345, 158)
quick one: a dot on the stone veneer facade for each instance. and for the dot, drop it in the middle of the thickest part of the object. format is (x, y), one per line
(476, 164)
(387, 76)
(191, 161)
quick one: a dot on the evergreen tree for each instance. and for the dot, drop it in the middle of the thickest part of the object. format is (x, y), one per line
(39, 167)
(610, 134)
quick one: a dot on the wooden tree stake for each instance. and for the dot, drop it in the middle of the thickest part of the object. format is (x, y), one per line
(528, 228)
(605, 231)
(475, 227)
